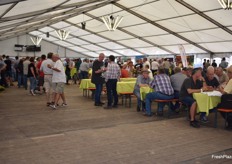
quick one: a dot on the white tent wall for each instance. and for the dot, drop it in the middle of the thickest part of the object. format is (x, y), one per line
(7, 48)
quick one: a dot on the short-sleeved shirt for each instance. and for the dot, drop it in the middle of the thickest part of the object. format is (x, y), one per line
(44, 67)
(113, 71)
(84, 66)
(177, 81)
(8, 64)
(228, 88)
(141, 80)
(97, 77)
(25, 67)
(31, 65)
(2, 63)
(189, 84)
(223, 78)
(59, 77)
(124, 73)
(162, 84)
(41, 74)
(213, 83)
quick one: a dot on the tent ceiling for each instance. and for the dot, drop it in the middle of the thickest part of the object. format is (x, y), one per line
(149, 27)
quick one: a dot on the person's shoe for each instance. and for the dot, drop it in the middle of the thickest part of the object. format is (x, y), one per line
(115, 106)
(194, 124)
(108, 107)
(48, 103)
(138, 109)
(160, 114)
(64, 104)
(96, 104)
(148, 115)
(53, 106)
(204, 119)
(32, 93)
(102, 103)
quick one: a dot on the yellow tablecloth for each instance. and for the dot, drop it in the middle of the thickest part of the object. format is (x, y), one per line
(73, 71)
(205, 102)
(122, 87)
(125, 87)
(127, 79)
(144, 91)
(86, 83)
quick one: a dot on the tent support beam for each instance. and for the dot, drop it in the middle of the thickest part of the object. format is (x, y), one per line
(136, 36)
(11, 7)
(126, 47)
(162, 27)
(204, 16)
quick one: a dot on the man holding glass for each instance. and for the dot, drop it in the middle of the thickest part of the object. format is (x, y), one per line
(97, 78)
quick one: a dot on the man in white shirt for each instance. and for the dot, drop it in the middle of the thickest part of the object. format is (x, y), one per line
(146, 62)
(154, 66)
(58, 80)
(48, 77)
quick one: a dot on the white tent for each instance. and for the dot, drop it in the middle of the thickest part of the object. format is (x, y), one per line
(149, 27)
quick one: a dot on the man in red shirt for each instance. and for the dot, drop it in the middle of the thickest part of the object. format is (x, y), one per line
(41, 74)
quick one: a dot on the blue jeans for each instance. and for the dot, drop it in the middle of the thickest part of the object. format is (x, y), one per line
(32, 83)
(20, 80)
(111, 87)
(98, 93)
(177, 105)
(156, 95)
(25, 81)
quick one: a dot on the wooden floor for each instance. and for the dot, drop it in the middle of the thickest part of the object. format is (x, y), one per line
(81, 133)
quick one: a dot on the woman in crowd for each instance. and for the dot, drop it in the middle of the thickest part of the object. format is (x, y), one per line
(20, 73)
(32, 74)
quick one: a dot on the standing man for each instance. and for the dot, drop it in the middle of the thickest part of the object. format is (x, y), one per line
(154, 66)
(58, 80)
(25, 71)
(68, 69)
(2, 73)
(84, 68)
(146, 62)
(97, 79)
(48, 77)
(9, 71)
(113, 74)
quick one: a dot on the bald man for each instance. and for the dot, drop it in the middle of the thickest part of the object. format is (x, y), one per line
(222, 76)
(98, 79)
(210, 78)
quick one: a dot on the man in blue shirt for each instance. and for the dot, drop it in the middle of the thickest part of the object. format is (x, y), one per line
(163, 91)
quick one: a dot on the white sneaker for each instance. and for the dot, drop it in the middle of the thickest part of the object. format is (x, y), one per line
(64, 104)
(53, 106)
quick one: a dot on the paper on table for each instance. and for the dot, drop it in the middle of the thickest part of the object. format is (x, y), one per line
(214, 93)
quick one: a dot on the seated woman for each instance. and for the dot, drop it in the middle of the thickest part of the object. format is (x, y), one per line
(124, 72)
(143, 80)
(227, 90)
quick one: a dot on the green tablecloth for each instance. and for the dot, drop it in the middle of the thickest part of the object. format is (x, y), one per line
(125, 87)
(122, 86)
(86, 83)
(205, 102)
(144, 91)
(127, 79)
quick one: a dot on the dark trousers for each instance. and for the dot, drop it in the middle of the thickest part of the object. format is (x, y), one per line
(84, 75)
(25, 81)
(68, 76)
(3, 79)
(111, 87)
(98, 93)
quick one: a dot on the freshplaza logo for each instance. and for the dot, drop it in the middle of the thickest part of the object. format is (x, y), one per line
(224, 156)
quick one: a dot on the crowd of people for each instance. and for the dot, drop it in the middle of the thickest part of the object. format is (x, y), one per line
(49, 74)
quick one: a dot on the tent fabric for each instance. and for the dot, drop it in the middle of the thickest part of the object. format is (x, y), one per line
(149, 27)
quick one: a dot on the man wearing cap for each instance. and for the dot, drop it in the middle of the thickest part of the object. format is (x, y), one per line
(143, 80)
(163, 91)
(193, 84)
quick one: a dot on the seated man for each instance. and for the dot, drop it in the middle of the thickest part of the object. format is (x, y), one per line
(227, 90)
(210, 78)
(163, 91)
(177, 80)
(222, 76)
(193, 84)
(143, 80)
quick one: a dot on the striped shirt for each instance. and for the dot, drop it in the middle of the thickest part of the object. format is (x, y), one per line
(113, 71)
(162, 84)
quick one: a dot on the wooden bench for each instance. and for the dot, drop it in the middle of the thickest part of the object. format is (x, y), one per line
(168, 102)
(126, 96)
(226, 111)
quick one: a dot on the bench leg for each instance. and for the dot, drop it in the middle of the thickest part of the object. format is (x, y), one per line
(226, 120)
(129, 101)
(215, 119)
